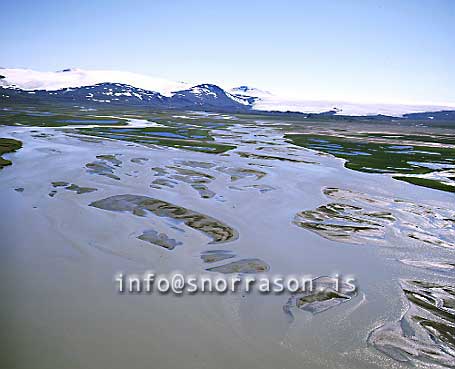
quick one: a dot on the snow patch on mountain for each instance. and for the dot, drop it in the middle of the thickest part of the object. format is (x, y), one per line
(193, 93)
(249, 91)
(265, 100)
(276, 103)
(28, 79)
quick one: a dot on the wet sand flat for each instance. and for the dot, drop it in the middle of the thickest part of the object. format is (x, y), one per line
(79, 209)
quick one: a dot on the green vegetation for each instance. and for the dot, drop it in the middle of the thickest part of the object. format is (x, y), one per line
(393, 154)
(406, 149)
(431, 183)
(427, 138)
(190, 131)
(195, 139)
(46, 119)
(8, 145)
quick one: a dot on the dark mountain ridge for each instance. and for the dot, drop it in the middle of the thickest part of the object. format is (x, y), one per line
(207, 97)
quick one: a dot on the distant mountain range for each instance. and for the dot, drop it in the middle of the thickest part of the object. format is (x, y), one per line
(122, 88)
(200, 97)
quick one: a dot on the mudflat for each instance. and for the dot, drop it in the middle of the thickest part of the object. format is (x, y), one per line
(93, 194)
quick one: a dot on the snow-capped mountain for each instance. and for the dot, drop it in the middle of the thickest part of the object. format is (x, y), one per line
(200, 97)
(116, 87)
(28, 79)
(264, 100)
(277, 103)
(249, 91)
(108, 92)
(250, 95)
(207, 94)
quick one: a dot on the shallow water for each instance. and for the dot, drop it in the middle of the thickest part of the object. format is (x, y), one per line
(264, 206)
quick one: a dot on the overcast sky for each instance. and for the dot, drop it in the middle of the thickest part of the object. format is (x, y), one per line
(377, 51)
